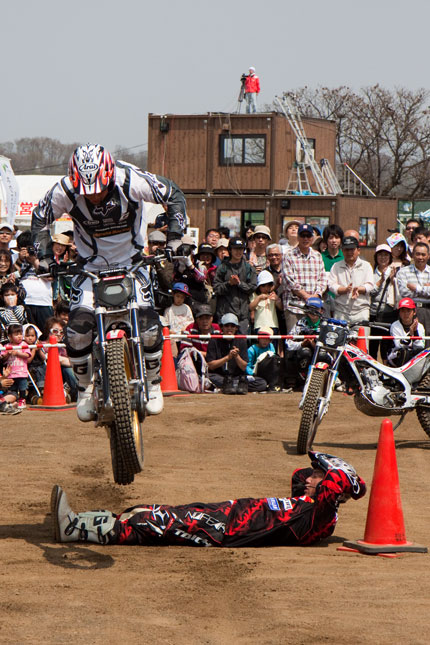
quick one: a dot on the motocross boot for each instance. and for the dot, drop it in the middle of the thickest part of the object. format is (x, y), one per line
(94, 526)
(155, 403)
(83, 370)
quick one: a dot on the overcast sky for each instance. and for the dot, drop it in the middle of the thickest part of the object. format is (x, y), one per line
(91, 70)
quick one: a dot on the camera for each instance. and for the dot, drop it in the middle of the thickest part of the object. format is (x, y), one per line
(243, 78)
(31, 250)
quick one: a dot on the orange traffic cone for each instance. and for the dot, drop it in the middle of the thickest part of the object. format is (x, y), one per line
(361, 342)
(385, 527)
(53, 391)
(169, 384)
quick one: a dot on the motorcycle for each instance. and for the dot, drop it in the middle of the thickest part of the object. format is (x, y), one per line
(378, 390)
(120, 388)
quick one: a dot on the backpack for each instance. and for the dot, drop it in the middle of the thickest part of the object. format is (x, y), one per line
(191, 371)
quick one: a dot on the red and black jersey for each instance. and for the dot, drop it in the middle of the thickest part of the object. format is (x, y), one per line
(269, 521)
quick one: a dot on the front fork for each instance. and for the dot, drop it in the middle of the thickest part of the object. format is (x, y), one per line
(107, 401)
(139, 354)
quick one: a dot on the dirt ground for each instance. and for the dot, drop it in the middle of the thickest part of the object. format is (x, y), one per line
(204, 448)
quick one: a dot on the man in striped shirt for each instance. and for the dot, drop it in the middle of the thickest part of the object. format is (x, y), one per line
(413, 281)
(303, 276)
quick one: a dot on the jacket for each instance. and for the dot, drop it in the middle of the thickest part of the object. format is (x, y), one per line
(252, 84)
(234, 299)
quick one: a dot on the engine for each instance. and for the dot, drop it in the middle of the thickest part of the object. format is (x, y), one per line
(376, 391)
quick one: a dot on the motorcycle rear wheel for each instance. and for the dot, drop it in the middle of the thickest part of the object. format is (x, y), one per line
(126, 437)
(309, 421)
(423, 413)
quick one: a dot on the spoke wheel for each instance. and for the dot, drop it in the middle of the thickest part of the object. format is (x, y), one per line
(309, 421)
(126, 431)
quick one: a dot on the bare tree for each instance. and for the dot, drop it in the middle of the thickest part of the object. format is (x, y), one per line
(384, 135)
(45, 156)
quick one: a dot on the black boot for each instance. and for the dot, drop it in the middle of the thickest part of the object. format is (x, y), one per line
(242, 386)
(228, 385)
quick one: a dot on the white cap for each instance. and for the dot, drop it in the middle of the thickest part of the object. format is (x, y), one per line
(265, 277)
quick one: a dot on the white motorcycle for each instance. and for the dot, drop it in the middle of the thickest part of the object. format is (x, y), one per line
(378, 390)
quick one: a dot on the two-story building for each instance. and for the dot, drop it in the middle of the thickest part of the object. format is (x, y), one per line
(235, 169)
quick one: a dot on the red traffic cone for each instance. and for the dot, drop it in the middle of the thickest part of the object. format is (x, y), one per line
(169, 384)
(361, 342)
(385, 527)
(53, 391)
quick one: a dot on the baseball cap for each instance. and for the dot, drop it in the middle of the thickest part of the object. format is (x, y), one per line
(203, 310)
(231, 319)
(305, 228)
(157, 236)
(262, 230)
(406, 303)
(236, 243)
(6, 225)
(265, 277)
(182, 287)
(350, 242)
(382, 247)
(205, 248)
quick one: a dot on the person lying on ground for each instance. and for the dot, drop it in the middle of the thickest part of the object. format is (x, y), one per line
(307, 517)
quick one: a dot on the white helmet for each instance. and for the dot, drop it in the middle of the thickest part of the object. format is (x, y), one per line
(91, 169)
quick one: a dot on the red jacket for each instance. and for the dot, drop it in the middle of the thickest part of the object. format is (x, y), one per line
(252, 84)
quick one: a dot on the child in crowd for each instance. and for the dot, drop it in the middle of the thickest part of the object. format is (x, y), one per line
(37, 361)
(299, 353)
(263, 360)
(179, 315)
(17, 359)
(55, 327)
(407, 325)
(11, 310)
(264, 304)
(62, 310)
(8, 403)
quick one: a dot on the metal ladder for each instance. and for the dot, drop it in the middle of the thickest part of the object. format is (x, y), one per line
(294, 119)
(327, 172)
(298, 182)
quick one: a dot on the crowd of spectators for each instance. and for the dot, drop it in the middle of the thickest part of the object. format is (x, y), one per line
(251, 286)
(33, 309)
(258, 286)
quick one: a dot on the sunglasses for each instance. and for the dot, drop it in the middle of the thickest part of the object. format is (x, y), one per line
(308, 235)
(56, 332)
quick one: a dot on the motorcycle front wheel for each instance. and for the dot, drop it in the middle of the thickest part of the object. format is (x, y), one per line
(126, 437)
(309, 421)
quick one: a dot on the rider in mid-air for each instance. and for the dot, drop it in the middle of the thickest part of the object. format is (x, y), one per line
(106, 201)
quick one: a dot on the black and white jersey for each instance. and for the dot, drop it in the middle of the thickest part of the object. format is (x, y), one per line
(115, 230)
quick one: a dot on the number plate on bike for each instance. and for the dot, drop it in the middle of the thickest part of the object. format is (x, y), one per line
(114, 291)
(332, 335)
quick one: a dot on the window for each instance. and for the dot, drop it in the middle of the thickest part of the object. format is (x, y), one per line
(367, 231)
(238, 221)
(242, 150)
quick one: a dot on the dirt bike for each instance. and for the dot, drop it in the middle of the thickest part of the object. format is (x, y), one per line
(120, 388)
(378, 390)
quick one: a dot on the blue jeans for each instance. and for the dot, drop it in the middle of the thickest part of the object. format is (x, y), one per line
(251, 102)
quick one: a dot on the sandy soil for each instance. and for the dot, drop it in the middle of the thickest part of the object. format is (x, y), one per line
(204, 448)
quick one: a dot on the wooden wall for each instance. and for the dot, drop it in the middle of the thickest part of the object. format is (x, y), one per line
(188, 152)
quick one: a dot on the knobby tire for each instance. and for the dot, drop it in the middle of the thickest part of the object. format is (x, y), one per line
(126, 432)
(423, 413)
(309, 421)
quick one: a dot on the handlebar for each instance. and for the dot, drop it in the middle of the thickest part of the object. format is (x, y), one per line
(77, 268)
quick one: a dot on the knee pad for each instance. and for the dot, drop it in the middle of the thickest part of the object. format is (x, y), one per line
(151, 331)
(80, 332)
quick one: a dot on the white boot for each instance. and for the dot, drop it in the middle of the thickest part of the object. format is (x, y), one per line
(155, 403)
(93, 526)
(83, 370)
